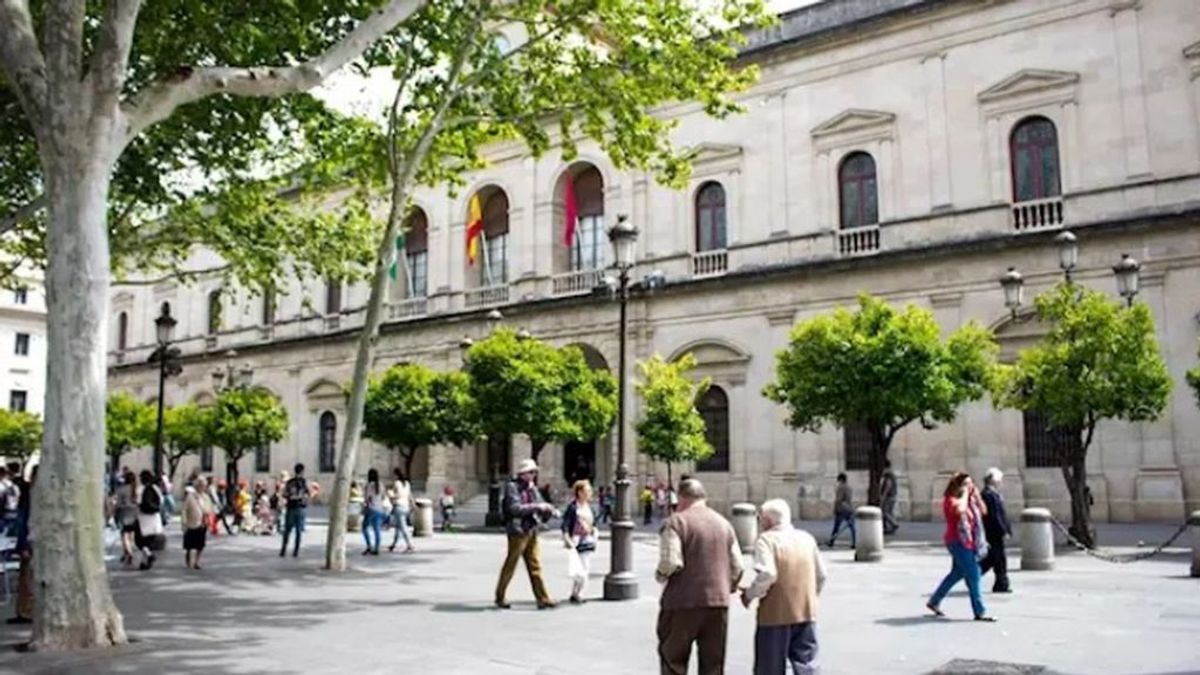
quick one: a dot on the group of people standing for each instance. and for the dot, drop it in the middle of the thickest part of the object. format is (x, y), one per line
(393, 504)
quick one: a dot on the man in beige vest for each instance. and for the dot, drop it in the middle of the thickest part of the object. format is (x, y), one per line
(701, 565)
(789, 576)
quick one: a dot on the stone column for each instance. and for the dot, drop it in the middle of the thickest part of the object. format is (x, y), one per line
(868, 545)
(1037, 540)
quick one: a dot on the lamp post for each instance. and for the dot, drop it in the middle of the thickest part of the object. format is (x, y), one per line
(1068, 253)
(1014, 289)
(1128, 273)
(168, 364)
(621, 582)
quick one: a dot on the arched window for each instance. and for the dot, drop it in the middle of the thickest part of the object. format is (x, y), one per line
(122, 331)
(710, 217)
(858, 191)
(214, 312)
(713, 406)
(495, 232)
(268, 306)
(416, 248)
(590, 243)
(333, 296)
(327, 448)
(1034, 152)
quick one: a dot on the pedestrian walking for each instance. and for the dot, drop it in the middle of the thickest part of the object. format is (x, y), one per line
(647, 500)
(604, 502)
(996, 529)
(961, 539)
(700, 564)
(579, 537)
(126, 513)
(843, 511)
(373, 512)
(296, 493)
(149, 520)
(789, 575)
(23, 607)
(168, 493)
(524, 511)
(214, 498)
(446, 502)
(402, 504)
(194, 521)
(888, 494)
(10, 497)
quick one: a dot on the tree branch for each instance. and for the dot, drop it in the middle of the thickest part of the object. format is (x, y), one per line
(110, 60)
(21, 58)
(22, 214)
(158, 101)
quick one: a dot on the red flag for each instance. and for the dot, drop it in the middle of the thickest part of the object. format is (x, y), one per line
(570, 211)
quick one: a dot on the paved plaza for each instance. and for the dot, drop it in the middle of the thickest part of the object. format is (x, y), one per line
(250, 611)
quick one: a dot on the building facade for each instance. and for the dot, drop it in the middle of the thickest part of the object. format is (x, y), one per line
(914, 149)
(23, 345)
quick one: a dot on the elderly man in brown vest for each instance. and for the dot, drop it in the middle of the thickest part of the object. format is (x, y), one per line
(789, 575)
(701, 564)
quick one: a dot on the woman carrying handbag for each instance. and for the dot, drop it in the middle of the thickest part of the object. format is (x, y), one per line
(150, 536)
(579, 535)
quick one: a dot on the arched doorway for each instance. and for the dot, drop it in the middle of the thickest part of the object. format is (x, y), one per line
(587, 459)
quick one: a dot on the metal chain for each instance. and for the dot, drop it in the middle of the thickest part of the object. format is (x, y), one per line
(1119, 558)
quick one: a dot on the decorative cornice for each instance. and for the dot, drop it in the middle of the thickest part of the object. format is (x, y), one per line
(1028, 81)
(780, 317)
(942, 300)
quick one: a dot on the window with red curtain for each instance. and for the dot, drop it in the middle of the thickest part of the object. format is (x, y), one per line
(858, 191)
(710, 217)
(1034, 151)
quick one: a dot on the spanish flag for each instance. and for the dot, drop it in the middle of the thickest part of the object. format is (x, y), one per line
(474, 229)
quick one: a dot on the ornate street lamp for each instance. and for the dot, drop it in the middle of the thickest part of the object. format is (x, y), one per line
(1068, 253)
(1014, 290)
(1128, 273)
(231, 376)
(621, 582)
(164, 326)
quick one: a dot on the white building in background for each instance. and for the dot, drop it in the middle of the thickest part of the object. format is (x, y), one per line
(23, 346)
(914, 149)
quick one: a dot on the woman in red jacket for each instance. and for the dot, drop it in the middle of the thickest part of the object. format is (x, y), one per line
(963, 510)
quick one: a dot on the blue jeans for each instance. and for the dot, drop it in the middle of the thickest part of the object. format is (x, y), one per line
(294, 520)
(372, 522)
(965, 566)
(840, 519)
(400, 522)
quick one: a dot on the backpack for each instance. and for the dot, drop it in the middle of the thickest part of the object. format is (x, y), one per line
(151, 500)
(296, 492)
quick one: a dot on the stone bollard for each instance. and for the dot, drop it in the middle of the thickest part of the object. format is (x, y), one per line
(745, 524)
(1194, 521)
(354, 517)
(422, 517)
(1037, 540)
(868, 545)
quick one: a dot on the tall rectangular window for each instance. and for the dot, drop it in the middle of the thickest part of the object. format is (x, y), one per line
(17, 400)
(206, 459)
(857, 438)
(262, 459)
(21, 296)
(1045, 445)
(497, 260)
(418, 270)
(591, 244)
(22, 346)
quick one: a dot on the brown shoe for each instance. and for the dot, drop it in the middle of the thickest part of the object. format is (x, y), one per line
(547, 605)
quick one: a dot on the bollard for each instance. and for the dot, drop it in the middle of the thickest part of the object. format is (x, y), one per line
(354, 517)
(868, 545)
(745, 525)
(1194, 522)
(422, 518)
(1037, 540)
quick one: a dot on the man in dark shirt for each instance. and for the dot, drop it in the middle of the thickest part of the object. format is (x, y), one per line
(524, 511)
(996, 529)
(295, 492)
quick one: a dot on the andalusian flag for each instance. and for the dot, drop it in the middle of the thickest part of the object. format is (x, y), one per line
(474, 229)
(394, 270)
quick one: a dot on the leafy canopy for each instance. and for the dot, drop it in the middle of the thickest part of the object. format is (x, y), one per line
(246, 418)
(525, 386)
(1100, 360)
(879, 367)
(670, 429)
(187, 429)
(128, 423)
(410, 405)
(20, 434)
(1193, 379)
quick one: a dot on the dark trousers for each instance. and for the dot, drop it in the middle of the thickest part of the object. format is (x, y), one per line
(996, 560)
(775, 647)
(647, 513)
(679, 628)
(293, 521)
(840, 519)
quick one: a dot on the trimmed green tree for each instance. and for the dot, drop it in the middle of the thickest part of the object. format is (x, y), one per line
(20, 435)
(243, 420)
(1193, 379)
(128, 424)
(882, 369)
(410, 405)
(670, 429)
(1100, 360)
(187, 429)
(579, 70)
(528, 387)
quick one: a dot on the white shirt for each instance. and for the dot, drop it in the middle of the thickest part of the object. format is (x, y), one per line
(402, 494)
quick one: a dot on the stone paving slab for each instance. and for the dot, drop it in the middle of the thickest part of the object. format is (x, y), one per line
(250, 611)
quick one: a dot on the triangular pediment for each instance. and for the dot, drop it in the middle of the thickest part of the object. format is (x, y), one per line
(853, 120)
(710, 153)
(1028, 81)
(324, 388)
